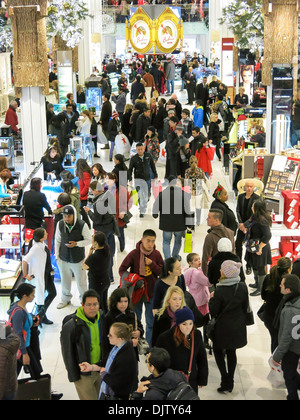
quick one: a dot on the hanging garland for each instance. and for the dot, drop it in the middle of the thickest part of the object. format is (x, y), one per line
(246, 21)
(64, 19)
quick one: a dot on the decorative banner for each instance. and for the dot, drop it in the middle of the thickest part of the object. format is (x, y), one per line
(145, 33)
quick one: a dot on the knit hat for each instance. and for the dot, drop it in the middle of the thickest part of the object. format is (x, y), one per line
(231, 269)
(179, 126)
(225, 245)
(115, 114)
(183, 315)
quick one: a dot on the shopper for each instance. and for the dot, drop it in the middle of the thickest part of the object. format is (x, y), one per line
(11, 117)
(180, 341)
(9, 346)
(221, 196)
(146, 261)
(69, 188)
(170, 76)
(158, 118)
(136, 88)
(288, 350)
(183, 152)
(71, 238)
(152, 143)
(198, 114)
(34, 202)
(103, 217)
(142, 124)
(58, 128)
(271, 295)
(25, 325)
(82, 340)
(84, 173)
(106, 113)
(259, 230)
(120, 166)
(123, 204)
(120, 102)
(197, 181)
(190, 83)
(162, 379)
(205, 154)
(98, 174)
(37, 268)
(187, 123)
(172, 144)
(170, 276)
(5, 176)
(224, 253)
(215, 233)
(214, 133)
(164, 318)
(120, 311)
(197, 283)
(141, 164)
(229, 306)
(114, 128)
(97, 264)
(244, 212)
(119, 377)
(84, 124)
(126, 125)
(172, 206)
(71, 117)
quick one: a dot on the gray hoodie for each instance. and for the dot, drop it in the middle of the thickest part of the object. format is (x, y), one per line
(289, 330)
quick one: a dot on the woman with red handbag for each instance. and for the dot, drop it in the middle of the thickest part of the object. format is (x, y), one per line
(185, 346)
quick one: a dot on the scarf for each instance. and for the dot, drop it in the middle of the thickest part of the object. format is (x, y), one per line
(104, 387)
(228, 282)
(172, 316)
(143, 254)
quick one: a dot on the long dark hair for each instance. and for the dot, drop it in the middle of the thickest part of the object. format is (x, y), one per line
(121, 163)
(277, 272)
(23, 289)
(168, 266)
(100, 169)
(116, 296)
(100, 238)
(82, 166)
(261, 213)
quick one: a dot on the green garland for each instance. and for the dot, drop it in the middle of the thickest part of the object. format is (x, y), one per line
(64, 19)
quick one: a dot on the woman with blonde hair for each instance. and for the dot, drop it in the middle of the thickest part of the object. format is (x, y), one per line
(84, 125)
(165, 317)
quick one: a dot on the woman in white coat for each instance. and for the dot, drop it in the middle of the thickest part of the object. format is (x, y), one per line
(84, 123)
(36, 265)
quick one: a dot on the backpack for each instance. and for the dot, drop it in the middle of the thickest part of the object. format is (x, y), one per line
(135, 284)
(9, 322)
(182, 392)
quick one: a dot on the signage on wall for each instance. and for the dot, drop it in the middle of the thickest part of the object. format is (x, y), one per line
(227, 61)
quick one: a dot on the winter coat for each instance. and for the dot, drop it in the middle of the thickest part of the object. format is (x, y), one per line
(230, 330)
(132, 262)
(172, 205)
(102, 222)
(136, 89)
(210, 247)
(198, 285)
(198, 115)
(261, 232)
(180, 357)
(288, 336)
(141, 167)
(152, 146)
(120, 101)
(84, 185)
(106, 113)
(161, 385)
(215, 263)
(142, 125)
(170, 71)
(8, 365)
(11, 118)
(229, 219)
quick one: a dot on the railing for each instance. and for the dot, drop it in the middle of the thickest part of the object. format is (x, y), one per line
(191, 11)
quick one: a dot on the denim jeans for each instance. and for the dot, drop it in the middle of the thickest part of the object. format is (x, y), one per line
(167, 237)
(112, 246)
(170, 82)
(143, 194)
(148, 315)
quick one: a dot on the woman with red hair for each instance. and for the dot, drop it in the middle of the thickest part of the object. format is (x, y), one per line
(185, 346)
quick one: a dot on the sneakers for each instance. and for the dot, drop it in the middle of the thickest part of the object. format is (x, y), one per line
(62, 305)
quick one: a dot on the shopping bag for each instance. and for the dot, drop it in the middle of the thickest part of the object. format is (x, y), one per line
(156, 187)
(276, 375)
(188, 243)
(133, 149)
(30, 389)
(135, 197)
(122, 145)
(221, 124)
(101, 137)
(162, 153)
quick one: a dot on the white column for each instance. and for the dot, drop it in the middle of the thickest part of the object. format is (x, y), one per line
(84, 50)
(34, 126)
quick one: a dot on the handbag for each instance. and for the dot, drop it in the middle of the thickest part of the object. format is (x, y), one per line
(260, 312)
(211, 325)
(101, 137)
(249, 317)
(252, 246)
(127, 217)
(187, 376)
(142, 345)
(39, 389)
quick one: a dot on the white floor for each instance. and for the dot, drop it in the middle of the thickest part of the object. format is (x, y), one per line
(251, 374)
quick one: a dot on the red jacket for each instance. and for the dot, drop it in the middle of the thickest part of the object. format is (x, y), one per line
(11, 119)
(84, 185)
(132, 262)
(205, 156)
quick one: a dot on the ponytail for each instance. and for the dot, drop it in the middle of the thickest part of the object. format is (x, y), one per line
(23, 289)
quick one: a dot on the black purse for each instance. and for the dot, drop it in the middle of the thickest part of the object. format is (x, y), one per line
(253, 246)
(127, 217)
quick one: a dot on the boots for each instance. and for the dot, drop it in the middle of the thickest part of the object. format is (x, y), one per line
(255, 284)
(226, 384)
(260, 280)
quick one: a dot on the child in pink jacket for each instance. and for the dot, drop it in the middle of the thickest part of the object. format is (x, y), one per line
(197, 283)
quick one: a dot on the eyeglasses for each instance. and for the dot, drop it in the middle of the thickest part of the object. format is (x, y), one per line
(89, 305)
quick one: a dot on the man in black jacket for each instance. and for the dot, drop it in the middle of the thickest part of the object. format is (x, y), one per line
(191, 82)
(244, 212)
(202, 93)
(172, 205)
(81, 341)
(105, 116)
(141, 164)
(142, 124)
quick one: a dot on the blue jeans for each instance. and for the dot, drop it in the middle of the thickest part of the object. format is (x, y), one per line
(170, 82)
(111, 151)
(148, 315)
(167, 237)
(143, 193)
(112, 246)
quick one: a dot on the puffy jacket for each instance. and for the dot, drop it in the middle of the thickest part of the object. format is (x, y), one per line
(198, 285)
